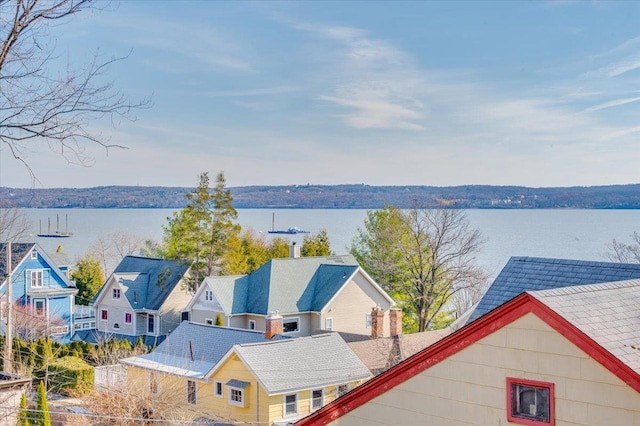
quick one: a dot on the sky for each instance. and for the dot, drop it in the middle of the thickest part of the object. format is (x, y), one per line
(538, 94)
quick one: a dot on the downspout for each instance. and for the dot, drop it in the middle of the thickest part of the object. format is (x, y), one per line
(257, 404)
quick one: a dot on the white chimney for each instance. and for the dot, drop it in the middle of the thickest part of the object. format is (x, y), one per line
(294, 250)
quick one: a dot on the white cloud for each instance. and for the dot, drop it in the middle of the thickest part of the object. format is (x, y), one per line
(611, 104)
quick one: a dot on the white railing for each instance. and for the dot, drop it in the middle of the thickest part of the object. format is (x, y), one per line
(62, 329)
(81, 311)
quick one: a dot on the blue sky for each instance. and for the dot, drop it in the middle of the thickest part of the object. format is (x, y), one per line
(381, 93)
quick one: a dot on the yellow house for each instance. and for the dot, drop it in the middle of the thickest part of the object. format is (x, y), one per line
(236, 375)
(558, 357)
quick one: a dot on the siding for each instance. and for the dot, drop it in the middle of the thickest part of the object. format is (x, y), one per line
(348, 310)
(469, 387)
(171, 310)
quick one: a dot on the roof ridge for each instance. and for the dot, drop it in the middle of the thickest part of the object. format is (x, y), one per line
(635, 282)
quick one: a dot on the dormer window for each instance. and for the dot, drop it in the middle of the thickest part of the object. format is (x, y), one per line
(116, 293)
(37, 278)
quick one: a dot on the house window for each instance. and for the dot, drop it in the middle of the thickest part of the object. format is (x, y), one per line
(367, 320)
(127, 317)
(236, 397)
(208, 295)
(208, 321)
(218, 389)
(252, 324)
(317, 399)
(116, 325)
(34, 254)
(290, 404)
(191, 392)
(104, 315)
(150, 324)
(39, 307)
(290, 325)
(328, 324)
(153, 382)
(116, 293)
(530, 402)
(342, 389)
(37, 278)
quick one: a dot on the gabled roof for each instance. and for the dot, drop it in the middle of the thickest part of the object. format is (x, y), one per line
(317, 361)
(19, 252)
(587, 316)
(147, 281)
(530, 274)
(192, 350)
(288, 285)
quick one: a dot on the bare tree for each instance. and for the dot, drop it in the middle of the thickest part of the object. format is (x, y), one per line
(625, 253)
(14, 225)
(111, 248)
(422, 257)
(40, 103)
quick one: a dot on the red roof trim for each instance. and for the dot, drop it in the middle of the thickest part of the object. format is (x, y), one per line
(455, 342)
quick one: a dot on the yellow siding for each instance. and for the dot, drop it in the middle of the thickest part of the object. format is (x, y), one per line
(469, 388)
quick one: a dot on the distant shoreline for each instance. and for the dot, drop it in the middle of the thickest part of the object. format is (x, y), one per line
(334, 197)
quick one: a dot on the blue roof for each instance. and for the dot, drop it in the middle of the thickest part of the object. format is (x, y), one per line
(304, 284)
(18, 252)
(522, 274)
(150, 279)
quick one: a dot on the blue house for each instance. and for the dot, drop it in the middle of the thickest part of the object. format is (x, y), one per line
(42, 295)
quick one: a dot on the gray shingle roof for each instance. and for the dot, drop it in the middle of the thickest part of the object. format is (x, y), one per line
(150, 279)
(302, 363)
(286, 285)
(608, 313)
(522, 274)
(194, 349)
(18, 252)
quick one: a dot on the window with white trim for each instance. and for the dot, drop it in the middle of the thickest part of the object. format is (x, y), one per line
(218, 389)
(104, 314)
(342, 389)
(127, 317)
(367, 320)
(37, 278)
(252, 324)
(34, 254)
(317, 399)
(290, 404)
(116, 293)
(208, 321)
(236, 396)
(208, 295)
(328, 324)
(192, 396)
(40, 307)
(531, 402)
(290, 325)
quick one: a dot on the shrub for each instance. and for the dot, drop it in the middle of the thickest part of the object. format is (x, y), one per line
(70, 375)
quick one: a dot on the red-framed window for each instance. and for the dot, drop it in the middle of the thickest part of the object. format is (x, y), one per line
(530, 402)
(104, 315)
(127, 317)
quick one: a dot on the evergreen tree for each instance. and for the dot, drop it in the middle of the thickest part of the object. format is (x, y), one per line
(23, 414)
(316, 245)
(41, 417)
(222, 228)
(88, 278)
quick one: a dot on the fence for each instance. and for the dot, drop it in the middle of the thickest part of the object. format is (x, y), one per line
(109, 377)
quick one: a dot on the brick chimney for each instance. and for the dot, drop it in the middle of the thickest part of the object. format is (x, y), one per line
(377, 322)
(395, 322)
(273, 325)
(294, 250)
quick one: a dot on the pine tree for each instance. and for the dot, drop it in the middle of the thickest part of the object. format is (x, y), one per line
(42, 417)
(23, 414)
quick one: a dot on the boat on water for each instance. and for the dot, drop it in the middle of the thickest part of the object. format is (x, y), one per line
(290, 231)
(57, 233)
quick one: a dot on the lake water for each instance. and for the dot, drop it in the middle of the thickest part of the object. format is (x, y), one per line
(574, 234)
